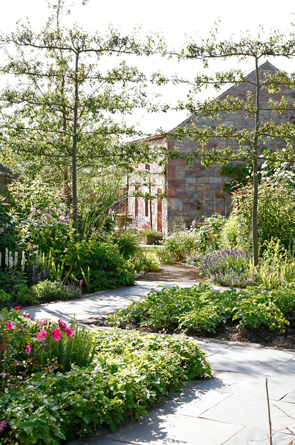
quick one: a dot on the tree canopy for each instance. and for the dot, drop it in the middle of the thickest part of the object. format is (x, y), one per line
(265, 137)
(63, 104)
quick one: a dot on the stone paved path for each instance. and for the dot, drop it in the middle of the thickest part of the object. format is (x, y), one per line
(230, 409)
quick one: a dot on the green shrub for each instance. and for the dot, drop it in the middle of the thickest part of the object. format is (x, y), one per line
(208, 234)
(199, 309)
(7, 227)
(230, 232)
(127, 242)
(277, 266)
(148, 261)
(5, 297)
(55, 290)
(179, 245)
(276, 214)
(107, 268)
(74, 346)
(129, 374)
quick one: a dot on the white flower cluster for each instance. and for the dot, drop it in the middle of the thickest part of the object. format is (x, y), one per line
(11, 262)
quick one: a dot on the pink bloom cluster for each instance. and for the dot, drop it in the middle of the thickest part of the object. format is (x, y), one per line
(56, 333)
(10, 326)
(50, 215)
(3, 425)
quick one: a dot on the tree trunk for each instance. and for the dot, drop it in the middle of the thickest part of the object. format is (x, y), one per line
(255, 167)
(126, 201)
(74, 150)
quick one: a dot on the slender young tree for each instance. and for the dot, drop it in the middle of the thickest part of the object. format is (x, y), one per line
(62, 103)
(266, 131)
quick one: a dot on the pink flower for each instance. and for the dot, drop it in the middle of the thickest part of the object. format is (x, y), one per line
(110, 211)
(9, 325)
(3, 347)
(38, 211)
(62, 206)
(35, 224)
(44, 218)
(42, 334)
(42, 322)
(33, 209)
(80, 282)
(28, 348)
(193, 222)
(65, 250)
(17, 308)
(3, 425)
(56, 334)
(62, 217)
(27, 316)
(62, 325)
(70, 332)
(1, 230)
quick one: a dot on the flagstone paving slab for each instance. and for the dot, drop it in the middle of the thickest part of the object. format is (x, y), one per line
(251, 355)
(255, 436)
(237, 383)
(286, 370)
(212, 348)
(160, 429)
(194, 402)
(290, 397)
(247, 410)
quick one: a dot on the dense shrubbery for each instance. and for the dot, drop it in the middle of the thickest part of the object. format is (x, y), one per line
(107, 268)
(276, 214)
(114, 376)
(199, 309)
(179, 245)
(55, 290)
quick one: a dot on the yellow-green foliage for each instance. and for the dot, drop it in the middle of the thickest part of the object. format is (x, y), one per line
(229, 234)
(150, 262)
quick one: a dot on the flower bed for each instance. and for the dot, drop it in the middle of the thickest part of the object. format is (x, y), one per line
(201, 310)
(120, 375)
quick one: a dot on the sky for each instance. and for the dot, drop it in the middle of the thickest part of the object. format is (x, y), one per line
(173, 19)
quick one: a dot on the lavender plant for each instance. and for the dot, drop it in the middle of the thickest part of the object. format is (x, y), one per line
(232, 267)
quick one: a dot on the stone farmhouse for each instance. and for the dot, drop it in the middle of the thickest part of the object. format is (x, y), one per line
(192, 193)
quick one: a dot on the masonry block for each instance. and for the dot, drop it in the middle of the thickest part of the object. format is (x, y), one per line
(205, 188)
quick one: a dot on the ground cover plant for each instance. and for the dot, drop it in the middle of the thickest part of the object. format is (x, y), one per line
(59, 382)
(199, 309)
